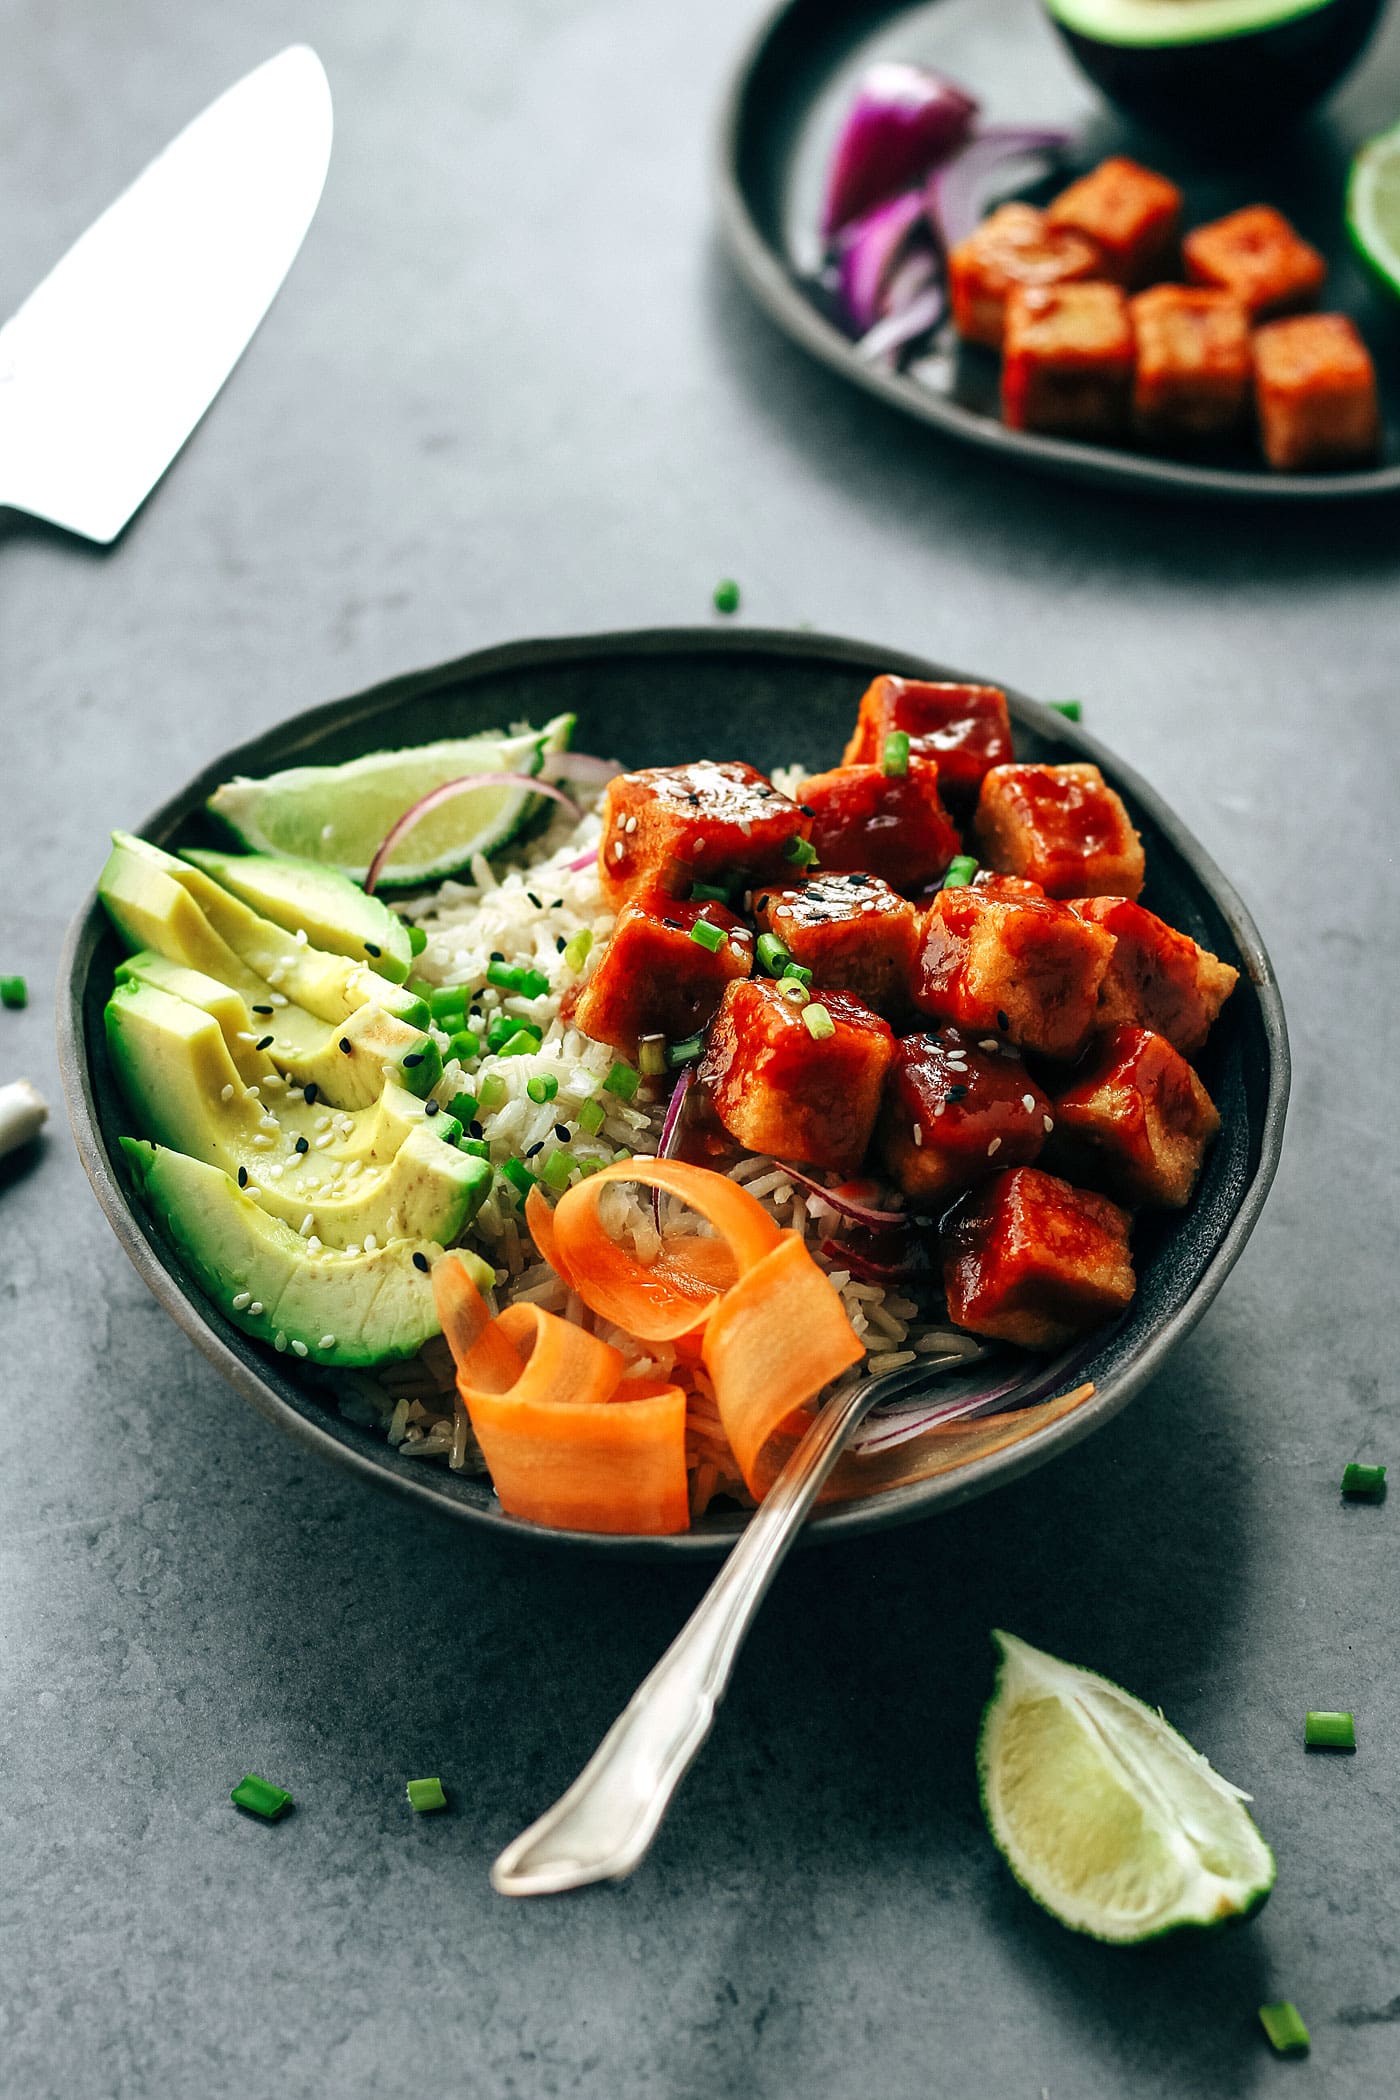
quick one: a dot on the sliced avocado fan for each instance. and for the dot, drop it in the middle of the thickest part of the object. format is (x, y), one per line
(332, 911)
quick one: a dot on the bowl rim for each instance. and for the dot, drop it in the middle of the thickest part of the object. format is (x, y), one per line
(844, 1520)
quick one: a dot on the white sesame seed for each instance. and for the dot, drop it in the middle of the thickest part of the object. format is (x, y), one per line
(296, 1093)
(1049, 1122)
(353, 1248)
(631, 825)
(287, 962)
(322, 1123)
(299, 1348)
(226, 1092)
(918, 1133)
(618, 850)
(262, 1141)
(994, 1147)
(306, 1224)
(370, 1243)
(254, 1191)
(938, 1107)
(256, 1307)
(277, 999)
(274, 1170)
(301, 937)
(327, 834)
(246, 1035)
(242, 1301)
(327, 1341)
(1028, 1103)
(327, 1137)
(279, 1342)
(313, 1245)
(989, 1042)
(274, 1080)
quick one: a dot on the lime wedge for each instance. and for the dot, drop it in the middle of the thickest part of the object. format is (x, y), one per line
(1373, 207)
(338, 815)
(1105, 1814)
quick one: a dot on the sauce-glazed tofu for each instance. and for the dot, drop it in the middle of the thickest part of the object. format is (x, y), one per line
(853, 932)
(656, 976)
(1315, 391)
(1068, 360)
(964, 729)
(1030, 1260)
(1014, 246)
(891, 825)
(1255, 254)
(1132, 216)
(1135, 1123)
(1060, 826)
(955, 1113)
(778, 1087)
(1194, 363)
(1020, 968)
(673, 825)
(1157, 978)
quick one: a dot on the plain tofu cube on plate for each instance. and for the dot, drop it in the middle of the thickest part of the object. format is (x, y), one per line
(1068, 366)
(1132, 216)
(1136, 1122)
(1061, 826)
(780, 1088)
(1194, 363)
(1015, 246)
(655, 977)
(670, 826)
(955, 1112)
(964, 729)
(853, 932)
(1157, 978)
(1029, 1259)
(1020, 969)
(1315, 391)
(1255, 254)
(892, 825)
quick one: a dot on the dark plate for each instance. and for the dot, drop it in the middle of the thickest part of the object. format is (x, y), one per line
(659, 698)
(785, 106)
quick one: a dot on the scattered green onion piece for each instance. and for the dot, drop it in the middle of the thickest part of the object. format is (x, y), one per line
(493, 1091)
(14, 992)
(524, 1043)
(417, 940)
(421, 989)
(558, 1170)
(475, 1148)
(260, 1797)
(543, 1087)
(1329, 1732)
(651, 1055)
(793, 990)
(1073, 711)
(708, 893)
(506, 975)
(685, 1053)
(591, 1118)
(621, 1153)
(448, 1128)
(1283, 2024)
(622, 1081)
(589, 1166)
(447, 999)
(499, 1029)
(794, 973)
(1364, 1480)
(961, 870)
(726, 595)
(530, 983)
(519, 1176)
(424, 1795)
(707, 936)
(772, 954)
(818, 1022)
(465, 1045)
(417, 1013)
(801, 852)
(894, 759)
(578, 950)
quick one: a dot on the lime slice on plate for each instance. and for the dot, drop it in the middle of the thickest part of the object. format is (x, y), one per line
(1373, 206)
(338, 815)
(1105, 1814)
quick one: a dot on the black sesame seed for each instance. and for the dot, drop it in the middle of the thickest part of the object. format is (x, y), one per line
(806, 809)
(674, 924)
(420, 1261)
(1003, 1019)
(414, 1057)
(955, 1093)
(534, 900)
(347, 1046)
(310, 1093)
(496, 955)
(474, 1128)
(430, 1108)
(263, 1009)
(303, 1145)
(557, 904)
(531, 1150)
(370, 949)
(243, 1177)
(561, 1131)
(560, 944)
(263, 1043)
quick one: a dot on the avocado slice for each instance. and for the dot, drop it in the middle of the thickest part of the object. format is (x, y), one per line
(333, 911)
(339, 1309)
(1215, 72)
(383, 1171)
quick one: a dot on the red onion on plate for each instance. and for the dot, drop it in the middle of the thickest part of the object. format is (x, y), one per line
(869, 256)
(957, 189)
(904, 121)
(580, 766)
(846, 1206)
(447, 792)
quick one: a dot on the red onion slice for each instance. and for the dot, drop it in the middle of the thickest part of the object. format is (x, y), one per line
(446, 793)
(585, 860)
(903, 1420)
(905, 322)
(580, 766)
(869, 256)
(903, 121)
(842, 1255)
(671, 1132)
(957, 190)
(863, 1213)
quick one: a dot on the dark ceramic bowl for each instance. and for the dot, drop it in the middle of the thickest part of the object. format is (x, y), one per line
(660, 698)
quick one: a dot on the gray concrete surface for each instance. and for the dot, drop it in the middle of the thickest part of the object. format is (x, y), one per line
(510, 389)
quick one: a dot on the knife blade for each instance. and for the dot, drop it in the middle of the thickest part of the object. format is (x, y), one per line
(110, 363)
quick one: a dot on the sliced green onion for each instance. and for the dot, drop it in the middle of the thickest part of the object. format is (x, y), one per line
(421, 989)
(447, 999)
(726, 595)
(1363, 1480)
(589, 1166)
(448, 1128)
(818, 1021)
(524, 1043)
(499, 1029)
(464, 1107)
(591, 1117)
(531, 983)
(506, 975)
(13, 992)
(894, 759)
(543, 1087)
(424, 1795)
(622, 1081)
(1073, 711)
(475, 1148)
(621, 1153)
(801, 852)
(961, 870)
(708, 893)
(1283, 2024)
(578, 950)
(685, 1053)
(794, 973)
(519, 1176)
(793, 990)
(772, 954)
(260, 1797)
(493, 1091)
(558, 1170)
(707, 936)
(651, 1055)
(1329, 1732)
(417, 940)
(416, 1014)
(465, 1045)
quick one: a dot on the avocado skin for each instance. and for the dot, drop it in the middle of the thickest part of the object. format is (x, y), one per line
(1225, 94)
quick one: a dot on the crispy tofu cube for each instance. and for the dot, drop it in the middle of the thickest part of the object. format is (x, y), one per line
(1015, 246)
(1136, 1123)
(853, 932)
(1157, 978)
(1315, 390)
(1194, 363)
(1060, 826)
(894, 825)
(955, 1112)
(655, 977)
(1030, 1260)
(963, 729)
(778, 1088)
(1068, 365)
(668, 827)
(1017, 968)
(1132, 216)
(1255, 254)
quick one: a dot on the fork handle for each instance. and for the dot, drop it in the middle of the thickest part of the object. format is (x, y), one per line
(602, 1827)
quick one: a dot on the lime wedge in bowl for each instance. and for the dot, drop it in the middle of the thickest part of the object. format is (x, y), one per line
(339, 815)
(1373, 207)
(1104, 1813)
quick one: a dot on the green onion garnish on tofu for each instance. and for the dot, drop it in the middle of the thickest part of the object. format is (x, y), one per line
(685, 1053)
(424, 1795)
(772, 954)
(801, 852)
(1283, 2024)
(794, 973)
(14, 992)
(1360, 1480)
(578, 949)
(651, 1055)
(1072, 710)
(818, 1022)
(543, 1087)
(622, 1081)
(894, 759)
(1322, 1731)
(591, 1118)
(708, 893)
(707, 936)
(260, 1798)
(961, 869)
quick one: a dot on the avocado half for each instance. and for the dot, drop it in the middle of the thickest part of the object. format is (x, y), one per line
(1215, 73)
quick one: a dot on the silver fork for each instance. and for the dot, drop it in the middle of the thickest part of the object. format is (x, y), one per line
(603, 1826)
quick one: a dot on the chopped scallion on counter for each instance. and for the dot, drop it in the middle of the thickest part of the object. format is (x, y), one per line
(686, 1052)
(1363, 1480)
(622, 1081)
(708, 893)
(578, 950)
(417, 940)
(1323, 1731)
(801, 852)
(493, 1092)
(543, 1087)
(707, 936)
(961, 870)
(1283, 2024)
(424, 1795)
(772, 954)
(14, 992)
(557, 1170)
(260, 1797)
(726, 595)
(818, 1021)
(1072, 710)
(519, 1176)
(651, 1055)
(894, 759)
(591, 1118)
